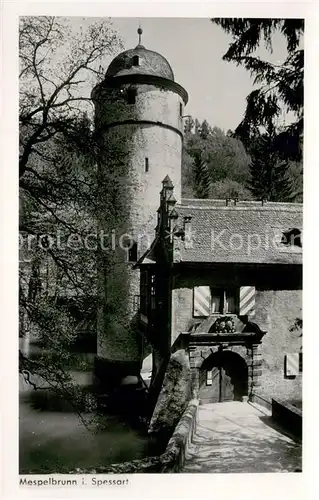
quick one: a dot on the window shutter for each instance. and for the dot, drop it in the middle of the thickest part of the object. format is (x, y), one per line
(292, 364)
(202, 301)
(247, 301)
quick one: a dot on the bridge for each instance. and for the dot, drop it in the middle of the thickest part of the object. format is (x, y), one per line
(234, 436)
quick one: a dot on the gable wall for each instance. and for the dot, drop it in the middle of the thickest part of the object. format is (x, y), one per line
(278, 304)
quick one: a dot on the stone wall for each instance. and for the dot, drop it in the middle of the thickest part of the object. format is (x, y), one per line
(278, 304)
(174, 395)
(163, 148)
(182, 293)
(287, 416)
(118, 339)
(276, 312)
(153, 103)
(182, 311)
(174, 457)
(153, 127)
(151, 130)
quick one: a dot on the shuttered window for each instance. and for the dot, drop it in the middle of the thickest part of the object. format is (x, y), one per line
(209, 300)
(292, 364)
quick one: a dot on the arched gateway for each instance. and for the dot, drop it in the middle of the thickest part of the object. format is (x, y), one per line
(223, 377)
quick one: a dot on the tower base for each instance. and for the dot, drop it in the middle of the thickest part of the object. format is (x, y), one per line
(119, 387)
(111, 374)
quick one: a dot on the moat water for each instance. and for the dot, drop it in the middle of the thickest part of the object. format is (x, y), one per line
(53, 438)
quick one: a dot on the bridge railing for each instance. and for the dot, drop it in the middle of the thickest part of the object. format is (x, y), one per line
(288, 416)
(173, 458)
(262, 401)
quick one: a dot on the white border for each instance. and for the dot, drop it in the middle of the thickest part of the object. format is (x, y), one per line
(246, 486)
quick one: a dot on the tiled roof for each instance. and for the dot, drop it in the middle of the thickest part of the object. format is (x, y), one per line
(247, 232)
(150, 63)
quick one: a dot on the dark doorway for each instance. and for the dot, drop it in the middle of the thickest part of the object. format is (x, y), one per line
(223, 377)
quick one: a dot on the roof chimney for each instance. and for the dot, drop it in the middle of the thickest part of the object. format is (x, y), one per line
(188, 239)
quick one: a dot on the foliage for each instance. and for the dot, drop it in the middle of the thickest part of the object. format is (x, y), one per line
(54, 270)
(228, 188)
(210, 156)
(201, 176)
(272, 177)
(279, 86)
(52, 87)
(58, 182)
(298, 323)
(297, 327)
(216, 165)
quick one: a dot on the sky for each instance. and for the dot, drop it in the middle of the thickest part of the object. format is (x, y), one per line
(194, 48)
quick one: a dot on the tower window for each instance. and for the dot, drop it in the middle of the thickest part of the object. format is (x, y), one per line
(132, 253)
(180, 109)
(136, 61)
(131, 96)
(147, 165)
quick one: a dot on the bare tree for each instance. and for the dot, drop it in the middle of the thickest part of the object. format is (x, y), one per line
(58, 69)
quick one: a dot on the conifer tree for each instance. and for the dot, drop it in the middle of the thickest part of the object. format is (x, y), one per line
(279, 86)
(201, 177)
(270, 175)
(210, 156)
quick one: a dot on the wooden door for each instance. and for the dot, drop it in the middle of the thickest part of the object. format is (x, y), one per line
(219, 388)
(226, 392)
(215, 387)
(226, 381)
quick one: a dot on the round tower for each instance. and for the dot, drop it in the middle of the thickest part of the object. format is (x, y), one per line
(139, 129)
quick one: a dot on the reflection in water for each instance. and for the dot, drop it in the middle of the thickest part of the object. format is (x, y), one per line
(53, 438)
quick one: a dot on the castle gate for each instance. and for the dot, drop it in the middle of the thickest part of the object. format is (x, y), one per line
(223, 377)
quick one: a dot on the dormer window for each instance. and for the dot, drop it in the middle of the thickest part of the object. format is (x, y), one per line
(136, 61)
(291, 238)
(131, 96)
